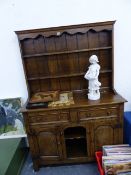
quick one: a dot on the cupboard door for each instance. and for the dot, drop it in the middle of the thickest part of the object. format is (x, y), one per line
(106, 132)
(48, 143)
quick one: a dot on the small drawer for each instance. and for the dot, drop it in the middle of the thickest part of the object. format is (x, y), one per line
(112, 111)
(38, 117)
(98, 112)
(85, 114)
(52, 116)
(65, 115)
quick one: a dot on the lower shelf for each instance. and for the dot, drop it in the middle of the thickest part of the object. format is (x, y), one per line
(76, 148)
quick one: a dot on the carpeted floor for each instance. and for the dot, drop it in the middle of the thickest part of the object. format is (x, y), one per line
(81, 169)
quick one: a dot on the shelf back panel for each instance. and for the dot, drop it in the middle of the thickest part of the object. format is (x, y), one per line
(57, 58)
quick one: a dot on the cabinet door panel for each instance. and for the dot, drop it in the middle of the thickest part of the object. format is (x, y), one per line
(48, 146)
(106, 132)
(103, 136)
(48, 143)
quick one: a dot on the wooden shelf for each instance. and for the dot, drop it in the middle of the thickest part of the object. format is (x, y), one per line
(67, 52)
(63, 76)
(75, 133)
(76, 148)
(57, 76)
(75, 136)
(74, 153)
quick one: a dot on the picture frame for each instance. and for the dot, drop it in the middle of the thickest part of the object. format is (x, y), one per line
(11, 119)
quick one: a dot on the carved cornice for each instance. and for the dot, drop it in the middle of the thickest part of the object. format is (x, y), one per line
(59, 31)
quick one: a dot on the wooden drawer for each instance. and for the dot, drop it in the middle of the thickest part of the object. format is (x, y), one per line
(85, 114)
(50, 117)
(64, 115)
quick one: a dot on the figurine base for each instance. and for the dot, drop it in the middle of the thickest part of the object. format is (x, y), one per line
(94, 97)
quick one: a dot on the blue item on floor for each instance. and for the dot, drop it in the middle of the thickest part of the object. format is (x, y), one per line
(81, 169)
(127, 127)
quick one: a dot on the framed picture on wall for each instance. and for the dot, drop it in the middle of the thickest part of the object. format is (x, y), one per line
(11, 119)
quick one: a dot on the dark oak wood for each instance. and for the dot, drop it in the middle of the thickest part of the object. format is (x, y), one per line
(56, 59)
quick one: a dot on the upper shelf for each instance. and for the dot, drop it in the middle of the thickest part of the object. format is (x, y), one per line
(67, 52)
(63, 76)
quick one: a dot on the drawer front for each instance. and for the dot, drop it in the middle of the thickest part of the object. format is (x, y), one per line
(50, 117)
(85, 114)
(64, 115)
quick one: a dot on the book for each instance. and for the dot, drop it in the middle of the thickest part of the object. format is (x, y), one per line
(115, 149)
(116, 159)
(115, 168)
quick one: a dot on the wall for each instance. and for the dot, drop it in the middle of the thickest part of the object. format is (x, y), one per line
(19, 15)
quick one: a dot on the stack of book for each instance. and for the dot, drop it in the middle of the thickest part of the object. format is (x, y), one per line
(116, 159)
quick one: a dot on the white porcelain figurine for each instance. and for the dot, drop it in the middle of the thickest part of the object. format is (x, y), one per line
(92, 75)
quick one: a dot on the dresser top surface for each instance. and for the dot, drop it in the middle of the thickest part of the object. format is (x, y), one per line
(81, 101)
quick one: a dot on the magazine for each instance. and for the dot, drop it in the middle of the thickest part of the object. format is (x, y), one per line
(116, 159)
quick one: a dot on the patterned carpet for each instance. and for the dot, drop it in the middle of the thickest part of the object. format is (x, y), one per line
(81, 169)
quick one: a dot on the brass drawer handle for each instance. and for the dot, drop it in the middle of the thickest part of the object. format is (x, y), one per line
(42, 114)
(108, 113)
(88, 115)
(59, 117)
(59, 143)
